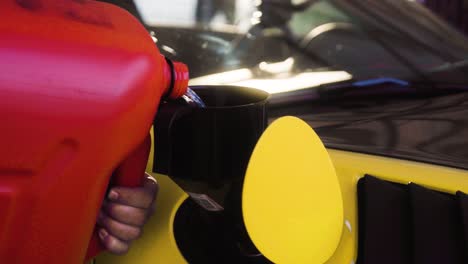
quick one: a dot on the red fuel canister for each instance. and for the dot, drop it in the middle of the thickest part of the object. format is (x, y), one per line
(80, 83)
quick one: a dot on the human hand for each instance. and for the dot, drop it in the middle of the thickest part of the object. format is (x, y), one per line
(123, 214)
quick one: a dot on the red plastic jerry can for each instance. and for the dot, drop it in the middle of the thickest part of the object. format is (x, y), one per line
(80, 83)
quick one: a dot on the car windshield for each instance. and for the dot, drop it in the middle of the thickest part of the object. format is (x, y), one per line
(284, 45)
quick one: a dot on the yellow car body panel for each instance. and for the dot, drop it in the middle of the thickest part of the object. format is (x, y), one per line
(350, 167)
(158, 245)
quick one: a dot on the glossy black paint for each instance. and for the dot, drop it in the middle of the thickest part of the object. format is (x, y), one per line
(426, 128)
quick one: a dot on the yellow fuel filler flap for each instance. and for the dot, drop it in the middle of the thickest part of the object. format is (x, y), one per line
(292, 203)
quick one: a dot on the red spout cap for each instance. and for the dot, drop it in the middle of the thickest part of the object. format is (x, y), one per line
(177, 81)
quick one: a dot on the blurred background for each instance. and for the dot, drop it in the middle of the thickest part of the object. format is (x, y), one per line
(230, 11)
(363, 73)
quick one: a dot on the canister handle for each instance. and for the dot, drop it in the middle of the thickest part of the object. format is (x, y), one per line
(130, 173)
